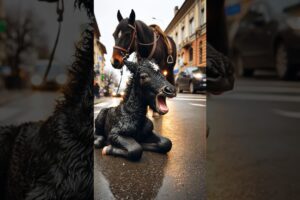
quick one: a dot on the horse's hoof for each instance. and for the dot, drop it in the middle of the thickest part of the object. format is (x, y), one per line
(105, 150)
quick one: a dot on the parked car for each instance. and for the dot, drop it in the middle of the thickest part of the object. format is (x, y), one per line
(268, 37)
(191, 79)
(117, 93)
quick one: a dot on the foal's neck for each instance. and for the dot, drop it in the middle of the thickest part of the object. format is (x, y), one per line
(133, 101)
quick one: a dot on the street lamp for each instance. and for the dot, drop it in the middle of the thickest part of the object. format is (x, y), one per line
(165, 72)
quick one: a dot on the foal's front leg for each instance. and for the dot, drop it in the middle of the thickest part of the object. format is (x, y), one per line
(123, 146)
(156, 143)
(152, 141)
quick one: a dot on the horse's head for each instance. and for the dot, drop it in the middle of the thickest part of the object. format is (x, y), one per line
(152, 84)
(124, 36)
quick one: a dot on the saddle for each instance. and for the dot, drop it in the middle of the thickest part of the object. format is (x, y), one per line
(162, 34)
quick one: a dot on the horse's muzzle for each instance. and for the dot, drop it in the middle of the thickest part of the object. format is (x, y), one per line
(116, 63)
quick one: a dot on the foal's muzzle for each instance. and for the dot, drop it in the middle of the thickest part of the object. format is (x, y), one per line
(169, 91)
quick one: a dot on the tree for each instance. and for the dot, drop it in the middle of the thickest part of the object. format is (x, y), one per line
(110, 79)
(23, 35)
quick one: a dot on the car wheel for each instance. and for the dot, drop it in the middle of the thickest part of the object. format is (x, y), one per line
(178, 89)
(283, 68)
(192, 88)
(241, 71)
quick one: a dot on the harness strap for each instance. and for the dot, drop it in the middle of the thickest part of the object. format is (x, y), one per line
(170, 49)
(154, 45)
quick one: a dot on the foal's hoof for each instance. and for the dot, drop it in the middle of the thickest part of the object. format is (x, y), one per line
(106, 150)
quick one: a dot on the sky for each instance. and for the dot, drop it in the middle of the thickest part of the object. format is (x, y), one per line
(159, 12)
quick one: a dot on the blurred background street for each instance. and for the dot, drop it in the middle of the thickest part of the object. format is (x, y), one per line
(24, 106)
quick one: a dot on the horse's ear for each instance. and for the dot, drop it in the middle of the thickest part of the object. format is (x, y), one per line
(131, 66)
(132, 17)
(119, 15)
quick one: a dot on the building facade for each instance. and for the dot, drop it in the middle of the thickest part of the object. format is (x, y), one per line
(99, 59)
(188, 29)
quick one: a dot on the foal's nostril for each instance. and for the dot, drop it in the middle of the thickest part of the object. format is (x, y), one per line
(169, 90)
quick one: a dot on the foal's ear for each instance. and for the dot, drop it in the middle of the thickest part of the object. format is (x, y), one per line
(131, 66)
(132, 17)
(119, 15)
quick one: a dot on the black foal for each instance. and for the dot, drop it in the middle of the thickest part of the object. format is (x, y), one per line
(125, 130)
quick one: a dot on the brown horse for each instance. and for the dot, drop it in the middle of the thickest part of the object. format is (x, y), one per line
(149, 42)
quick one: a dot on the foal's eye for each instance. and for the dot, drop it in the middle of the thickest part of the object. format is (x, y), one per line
(144, 76)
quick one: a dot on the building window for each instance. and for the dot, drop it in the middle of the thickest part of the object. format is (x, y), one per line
(192, 26)
(201, 52)
(176, 39)
(182, 34)
(191, 54)
(202, 16)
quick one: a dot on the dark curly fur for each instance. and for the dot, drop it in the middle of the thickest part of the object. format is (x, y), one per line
(53, 159)
(220, 72)
(126, 129)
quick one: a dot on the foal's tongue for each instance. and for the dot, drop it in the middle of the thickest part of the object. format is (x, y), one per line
(162, 104)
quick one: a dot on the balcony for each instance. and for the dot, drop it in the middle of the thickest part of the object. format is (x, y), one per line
(185, 43)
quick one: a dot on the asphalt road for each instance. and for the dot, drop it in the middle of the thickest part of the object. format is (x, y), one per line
(253, 146)
(178, 175)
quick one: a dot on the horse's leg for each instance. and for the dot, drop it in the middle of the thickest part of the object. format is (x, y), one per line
(122, 146)
(171, 77)
(156, 143)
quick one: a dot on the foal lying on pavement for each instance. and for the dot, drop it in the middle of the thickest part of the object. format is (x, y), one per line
(125, 130)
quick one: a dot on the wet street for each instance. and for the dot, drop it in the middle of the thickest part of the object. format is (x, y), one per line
(253, 146)
(178, 175)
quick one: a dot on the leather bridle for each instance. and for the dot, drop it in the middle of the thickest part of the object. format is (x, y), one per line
(133, 36)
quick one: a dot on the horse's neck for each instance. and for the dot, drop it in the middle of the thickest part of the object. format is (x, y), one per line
(144, 33)
(133, 101)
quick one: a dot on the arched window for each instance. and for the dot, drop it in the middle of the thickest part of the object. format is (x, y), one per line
(191, 54)
(201, 52)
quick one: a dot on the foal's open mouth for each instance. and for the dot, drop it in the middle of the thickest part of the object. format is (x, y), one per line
(161, 103)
